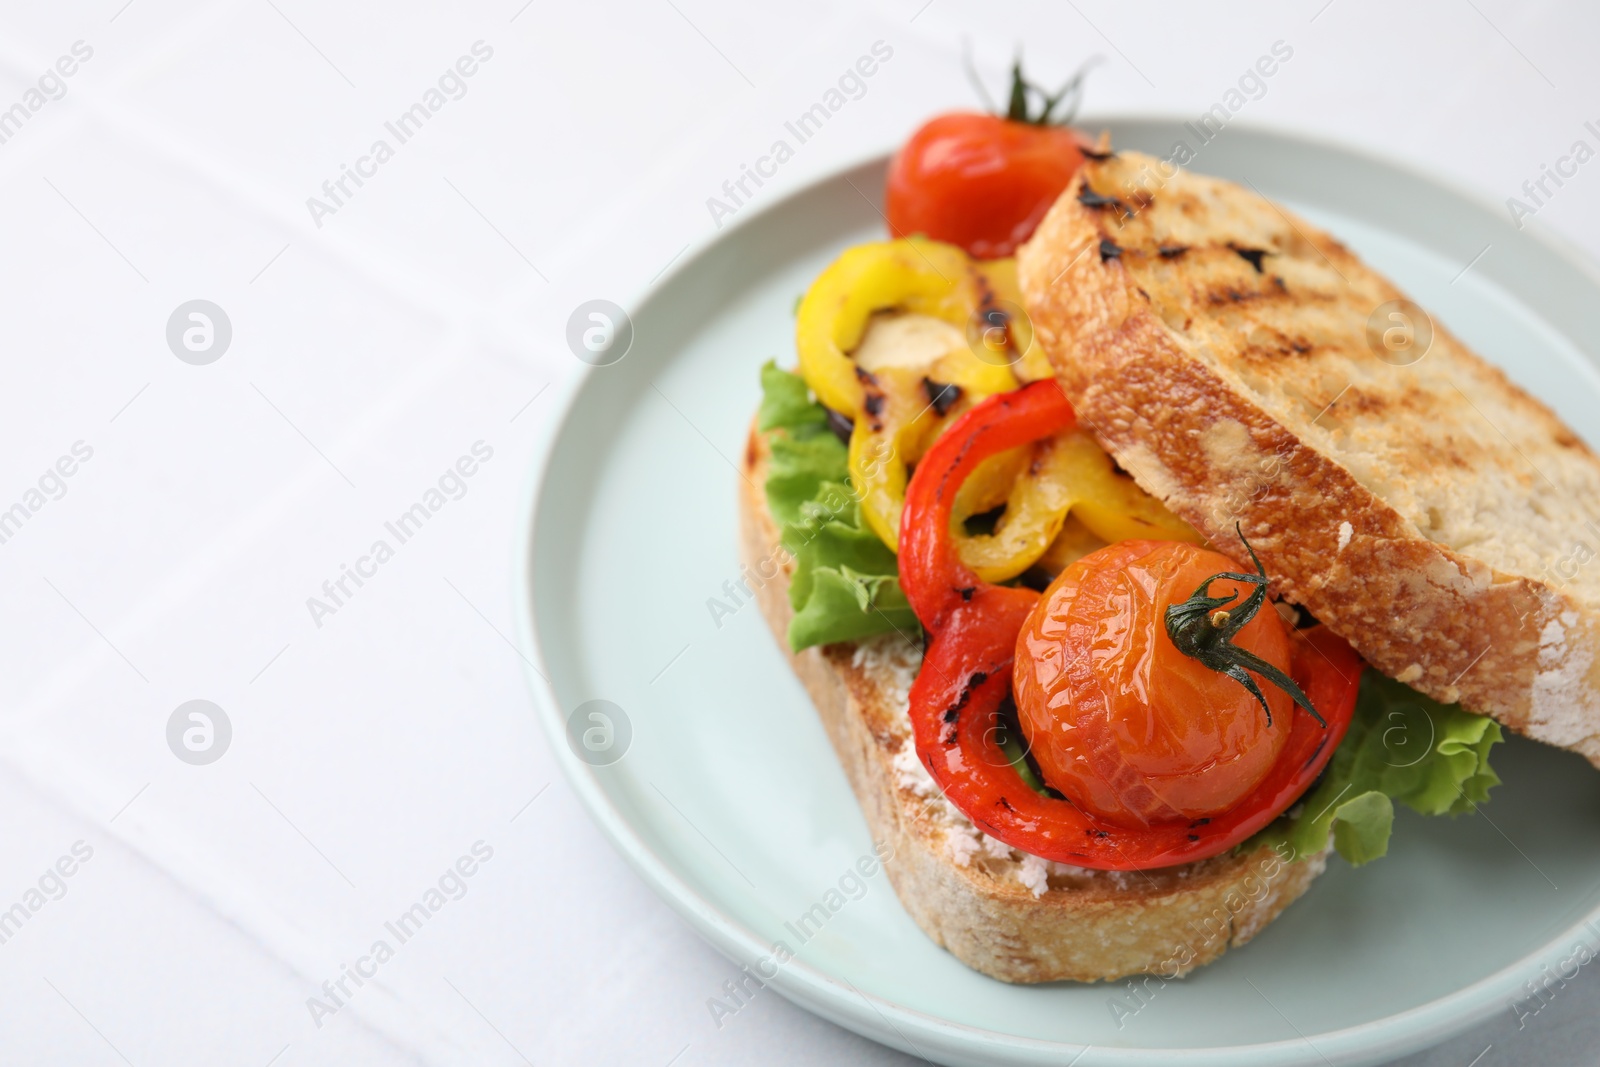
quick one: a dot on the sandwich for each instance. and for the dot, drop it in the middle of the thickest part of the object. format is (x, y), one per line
(1140, 548)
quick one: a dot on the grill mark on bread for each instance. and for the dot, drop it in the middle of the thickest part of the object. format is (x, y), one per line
(1256, 353)
(1268, 344)
(1251, 256)
(1093, 200)
(1237, 294)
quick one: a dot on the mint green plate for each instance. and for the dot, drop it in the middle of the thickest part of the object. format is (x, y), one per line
(729, 802)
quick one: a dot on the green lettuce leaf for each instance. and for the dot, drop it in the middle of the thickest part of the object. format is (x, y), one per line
(1402, 748)
(846, 581)
(787, 403)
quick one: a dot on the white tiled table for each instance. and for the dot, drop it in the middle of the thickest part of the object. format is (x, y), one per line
(375, 344)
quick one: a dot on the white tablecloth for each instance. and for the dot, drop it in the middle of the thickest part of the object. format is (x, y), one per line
(186, 521)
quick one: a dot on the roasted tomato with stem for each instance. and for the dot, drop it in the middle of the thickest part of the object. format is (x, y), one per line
(1171, 716)
(984, 181)
(1118, 717)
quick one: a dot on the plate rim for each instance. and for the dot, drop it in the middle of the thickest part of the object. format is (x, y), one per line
(839, 1001)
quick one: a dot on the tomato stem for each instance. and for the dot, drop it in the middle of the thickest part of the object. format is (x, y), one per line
(1018, 102)
(1203, 629)
(1069, 97)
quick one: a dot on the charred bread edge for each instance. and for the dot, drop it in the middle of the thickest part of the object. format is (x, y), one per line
(1503, 645)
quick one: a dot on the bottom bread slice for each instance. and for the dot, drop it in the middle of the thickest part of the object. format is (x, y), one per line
(1012, 916)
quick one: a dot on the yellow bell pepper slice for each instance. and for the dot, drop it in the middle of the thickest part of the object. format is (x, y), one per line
(912, 274)
(989, 347)
(895, 413)
(990, 484)
(1035, 509)
(894, 428)
(1073, 543)
(1113, 506)
(1003, 292)
(1068, 473)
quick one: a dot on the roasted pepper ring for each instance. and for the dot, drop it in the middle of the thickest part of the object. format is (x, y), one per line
(966, 674)
(899, 409)
(1061, 473)
(914, 275)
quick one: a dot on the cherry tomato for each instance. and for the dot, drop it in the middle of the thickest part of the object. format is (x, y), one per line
(1122, 722)
(979, 181)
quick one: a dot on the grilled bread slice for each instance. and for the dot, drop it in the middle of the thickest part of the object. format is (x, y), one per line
(1246, 368)
(1014, 917)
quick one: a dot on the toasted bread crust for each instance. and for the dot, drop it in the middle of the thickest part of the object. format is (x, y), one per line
(1088, 925)
(1184, 358)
